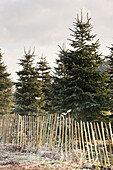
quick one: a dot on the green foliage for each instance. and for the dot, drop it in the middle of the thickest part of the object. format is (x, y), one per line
(28, 87)
(45, 79)
(110, 77)
(78, 84)
(5, 89)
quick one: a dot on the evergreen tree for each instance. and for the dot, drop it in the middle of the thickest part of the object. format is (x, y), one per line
(5, 89)
(110, 78)
(45, 79)
(59, 84)
(79, 85)
(28, 87)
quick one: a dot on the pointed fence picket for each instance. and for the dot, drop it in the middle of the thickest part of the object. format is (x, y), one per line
(90, 141)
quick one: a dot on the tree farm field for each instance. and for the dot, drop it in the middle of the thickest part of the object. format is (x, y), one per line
(13, 157)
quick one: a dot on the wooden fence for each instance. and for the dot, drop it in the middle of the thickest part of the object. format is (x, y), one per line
(89, 141)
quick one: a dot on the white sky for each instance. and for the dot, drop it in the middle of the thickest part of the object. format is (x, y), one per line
(45, 24)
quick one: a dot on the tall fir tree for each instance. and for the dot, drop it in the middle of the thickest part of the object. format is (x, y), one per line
(5, 88)
(59, 86)
(45, 79)
(28, 87)
(110, 78)
(79, 85)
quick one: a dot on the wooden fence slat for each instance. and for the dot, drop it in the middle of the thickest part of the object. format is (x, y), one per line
(79, 138)
(37, 131)
(56, 131)
(17, 133)
(21, 139)
(69, 135)
(29, 132)
(62, 135)
(66, 138)
(12, 129)
(72, 139)
(50, 134)
(44, 131)
(100, 136)
(53, 131)
(1, 128)
(110, 149)
(82, 139)
(111, 133)
(99, 150)
(41, 129)
(103, 134)
(5, 129)
(95, 144)
(23, 130)
(3, 124)
(90, 141)
(48, 128)
(76, 139)
(59, 140)
(87, 143)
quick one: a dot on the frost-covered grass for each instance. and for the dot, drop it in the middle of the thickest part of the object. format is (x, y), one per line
(43, 158)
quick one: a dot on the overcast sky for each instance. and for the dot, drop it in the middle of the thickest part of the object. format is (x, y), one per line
(45, 24)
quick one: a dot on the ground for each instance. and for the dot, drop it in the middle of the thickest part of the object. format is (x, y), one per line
(13, 157)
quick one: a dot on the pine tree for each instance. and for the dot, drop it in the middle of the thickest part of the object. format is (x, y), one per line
(45, 79)
(5, 89)
(110, 78)
(80, 85)
(28, 87)
(59, 86)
